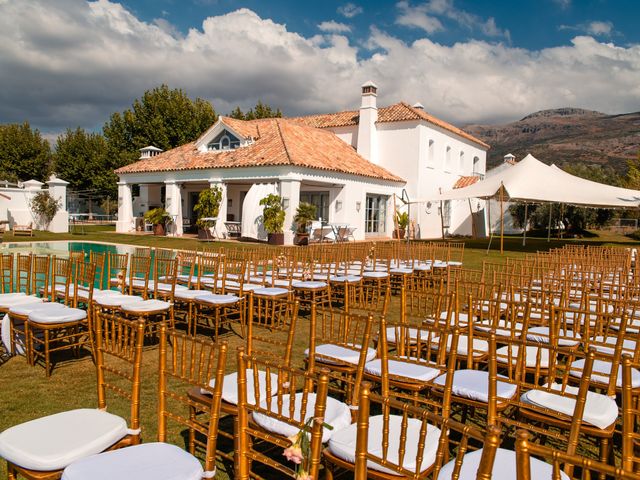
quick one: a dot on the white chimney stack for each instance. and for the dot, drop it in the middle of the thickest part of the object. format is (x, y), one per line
(150, 151)
(367, 135)
(510, 159)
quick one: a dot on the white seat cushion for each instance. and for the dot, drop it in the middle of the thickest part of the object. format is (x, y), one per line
(415, 371)
(565, 338)
(376, 274)
(27, 308)
(599, 411)
(504, 467)
(310, 284)
(531, 356)
(189, 294)
(601, 372)
(412, 333)
(166, 287)
(503, 328)
(58, 315)
(146, 306)
(116, 300)
(270, 291)
(474, 384)
(230, 386)
(479, 346)
(246, 287)
(55, 441)
(601, 344)
(341, 354)
(215, 299)
(343, 443)
(345, 278)
(337, 415)
(8, 300)
(148, 461)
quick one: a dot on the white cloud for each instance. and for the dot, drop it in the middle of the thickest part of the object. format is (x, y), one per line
(426, 16)
(69, 63)
(563, 4)
(349, 10)
(600, 28)
(595, 28)
(417, 17)
(334, 27)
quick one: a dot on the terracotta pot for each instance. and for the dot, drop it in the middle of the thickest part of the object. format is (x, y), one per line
(301, 239)
(275, 238)
(399, 233)
(158, 229)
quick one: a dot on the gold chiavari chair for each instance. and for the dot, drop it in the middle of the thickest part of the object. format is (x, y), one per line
(528, 467)
(117, 267)
(6, 274)
(99, 259)
(40, 275)
(268, 337)
(412, 365)
(76, 434)
(137, 282)
(283, 402)
(191, 362)
(63, 328)
(341, 342)
(408, 440)
(630, 419)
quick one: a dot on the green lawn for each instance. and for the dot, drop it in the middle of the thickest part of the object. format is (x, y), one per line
(26, 393)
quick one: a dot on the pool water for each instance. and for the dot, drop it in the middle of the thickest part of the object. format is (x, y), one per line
(63, 247)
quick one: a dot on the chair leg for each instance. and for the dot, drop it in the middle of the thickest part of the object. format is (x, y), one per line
(12, 473)
(47, 353)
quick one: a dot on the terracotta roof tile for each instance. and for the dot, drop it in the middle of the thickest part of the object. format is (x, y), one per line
(465, 181)
(398, 112)
(276, 142)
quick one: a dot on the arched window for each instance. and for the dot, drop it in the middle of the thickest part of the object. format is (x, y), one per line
(431, 161)
(461, 163)
(476, 166)
(447, 161)
(224, 141)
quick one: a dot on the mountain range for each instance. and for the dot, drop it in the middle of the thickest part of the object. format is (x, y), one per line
(565, 136)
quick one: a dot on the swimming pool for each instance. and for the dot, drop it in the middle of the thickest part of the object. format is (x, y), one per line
(62, 248)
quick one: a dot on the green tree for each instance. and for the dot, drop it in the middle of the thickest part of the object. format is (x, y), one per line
(632, 178)
(261, 110)
(24, 154)
(163, 117)
(82, 159)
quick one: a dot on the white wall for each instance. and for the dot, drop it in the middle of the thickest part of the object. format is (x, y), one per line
(17, 210)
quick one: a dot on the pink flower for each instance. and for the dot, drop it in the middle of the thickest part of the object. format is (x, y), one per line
(294, 454)
(302, 475)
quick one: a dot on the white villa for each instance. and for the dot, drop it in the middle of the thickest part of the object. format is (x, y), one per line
(349, 164)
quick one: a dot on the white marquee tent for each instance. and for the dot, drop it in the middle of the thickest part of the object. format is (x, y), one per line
(531, 181)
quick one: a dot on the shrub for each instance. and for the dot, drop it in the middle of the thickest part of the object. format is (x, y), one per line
(208, 206)
(273, 213)
(45, 207)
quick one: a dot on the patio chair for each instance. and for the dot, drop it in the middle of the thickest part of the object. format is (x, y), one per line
(76, 434)
(192, 363)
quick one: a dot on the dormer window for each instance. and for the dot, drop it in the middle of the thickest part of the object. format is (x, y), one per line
(224, 141)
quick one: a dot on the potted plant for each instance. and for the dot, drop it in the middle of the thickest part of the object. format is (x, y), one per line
(159, 218)
(305, 215)
(208, 207)
(273, 218)
(402, 222)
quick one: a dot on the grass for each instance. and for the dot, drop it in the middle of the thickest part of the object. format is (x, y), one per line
(26, 393)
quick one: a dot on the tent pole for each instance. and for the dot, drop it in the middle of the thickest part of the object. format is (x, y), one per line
(526, 215)
(501, 220)
(549, 225)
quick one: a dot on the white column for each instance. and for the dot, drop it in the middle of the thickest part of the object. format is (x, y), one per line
(221, 230)
(58, 190)
(125, 209)
(290, 193)
(173, 205)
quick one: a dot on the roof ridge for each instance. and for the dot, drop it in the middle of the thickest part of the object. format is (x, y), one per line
(284, 144)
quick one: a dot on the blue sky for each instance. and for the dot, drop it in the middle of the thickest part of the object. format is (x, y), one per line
(533, 24)
(69, 63)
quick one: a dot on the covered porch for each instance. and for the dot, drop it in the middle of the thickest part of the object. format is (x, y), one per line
(338, 200)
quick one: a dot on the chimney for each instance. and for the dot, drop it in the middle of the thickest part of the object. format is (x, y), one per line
(150, 151)
(418, 105)
(367, 138)
(510, 159)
